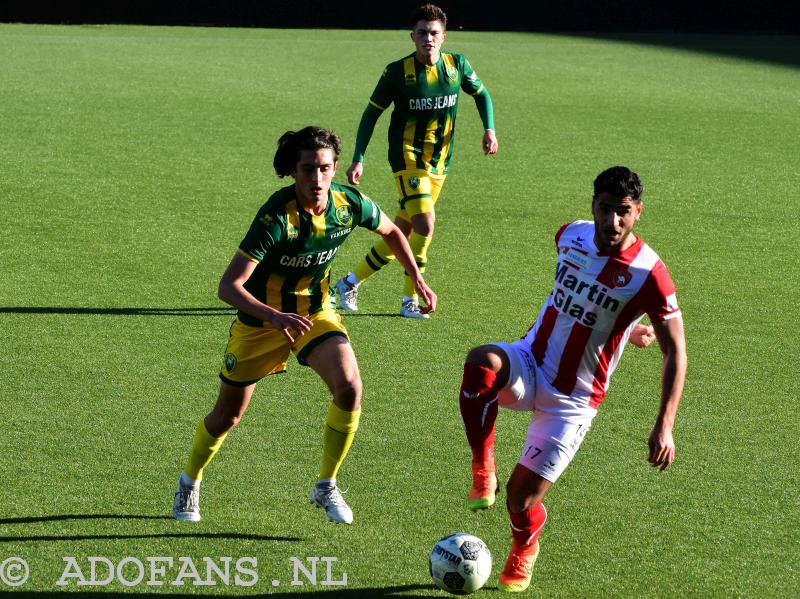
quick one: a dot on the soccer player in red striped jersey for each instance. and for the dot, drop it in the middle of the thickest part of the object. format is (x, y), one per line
(606, 280)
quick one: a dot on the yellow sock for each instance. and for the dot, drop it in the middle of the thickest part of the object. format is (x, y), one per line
(419, 245)
(377, 257)
(204, 447)
(340, 428)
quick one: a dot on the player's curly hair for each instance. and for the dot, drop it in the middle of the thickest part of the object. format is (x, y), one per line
(311, 138)
(428, 12)
(620, 182)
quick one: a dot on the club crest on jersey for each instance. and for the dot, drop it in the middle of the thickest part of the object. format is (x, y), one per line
(621, 277)
(344, 216)
(414, 182)
(291, 231)
(230, 362)
(452, 73)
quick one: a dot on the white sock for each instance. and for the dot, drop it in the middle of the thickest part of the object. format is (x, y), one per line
(186, 481)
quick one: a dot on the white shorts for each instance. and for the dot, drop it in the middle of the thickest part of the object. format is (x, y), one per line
(559, 423)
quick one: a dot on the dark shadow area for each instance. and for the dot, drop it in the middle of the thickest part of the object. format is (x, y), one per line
(503, 15)
(321, 591)
(776, 49)
(767, 30)
(166, 535)
(62, 517)
(221, 311)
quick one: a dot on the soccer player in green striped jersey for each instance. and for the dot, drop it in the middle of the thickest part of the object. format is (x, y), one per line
(424, 88)
(278, 279)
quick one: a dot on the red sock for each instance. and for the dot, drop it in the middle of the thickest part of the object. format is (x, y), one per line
(479, 411)
(527, 526)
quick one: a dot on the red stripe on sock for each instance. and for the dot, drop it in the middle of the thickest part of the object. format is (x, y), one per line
(527, 526)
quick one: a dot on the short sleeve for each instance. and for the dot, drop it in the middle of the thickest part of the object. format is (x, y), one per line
(660, 300)
(265, 231)
(560, 231)
(370, 213)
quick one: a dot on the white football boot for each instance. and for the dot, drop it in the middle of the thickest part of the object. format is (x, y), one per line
(335, 506)
(186, 506)
(348, 294)
(410, 309)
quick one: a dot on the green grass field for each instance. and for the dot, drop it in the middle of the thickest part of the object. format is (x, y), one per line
(132, 160)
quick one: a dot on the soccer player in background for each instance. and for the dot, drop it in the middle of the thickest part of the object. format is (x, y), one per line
(606, 279)
(424, 87)
(278, 279)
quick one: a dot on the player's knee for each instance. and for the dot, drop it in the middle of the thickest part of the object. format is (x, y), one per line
(517, 498)
(347, 393)
(486, 356)
(423, 224)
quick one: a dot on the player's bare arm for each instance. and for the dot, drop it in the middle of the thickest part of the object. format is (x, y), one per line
(398, 243)
(231, 291)
(490, 145)
(672, 342)
(354, 173)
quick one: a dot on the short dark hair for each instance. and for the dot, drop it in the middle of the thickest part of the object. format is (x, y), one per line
(620, 182)
(292, 143)
(428, 12)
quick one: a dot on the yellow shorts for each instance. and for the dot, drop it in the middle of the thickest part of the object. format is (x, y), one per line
(255, 352)
(418, 191)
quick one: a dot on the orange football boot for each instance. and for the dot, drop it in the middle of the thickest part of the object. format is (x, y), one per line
(516, 575)
(484, 487)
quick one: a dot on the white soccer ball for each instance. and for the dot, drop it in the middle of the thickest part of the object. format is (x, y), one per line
(460, 563)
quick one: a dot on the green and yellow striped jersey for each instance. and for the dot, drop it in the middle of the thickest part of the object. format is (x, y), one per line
(294, 248)
(425, 103)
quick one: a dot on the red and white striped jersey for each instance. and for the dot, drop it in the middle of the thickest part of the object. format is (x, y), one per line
(581, 331)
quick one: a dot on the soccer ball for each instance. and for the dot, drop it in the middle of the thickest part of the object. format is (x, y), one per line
(460, 563)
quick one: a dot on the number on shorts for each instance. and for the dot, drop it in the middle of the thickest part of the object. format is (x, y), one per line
(531, 452)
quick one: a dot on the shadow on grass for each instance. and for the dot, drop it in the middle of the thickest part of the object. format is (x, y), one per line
(159, 535)
(167, 535)
(371, 593)
(775, 49)
(61, 517)
(220, 311)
